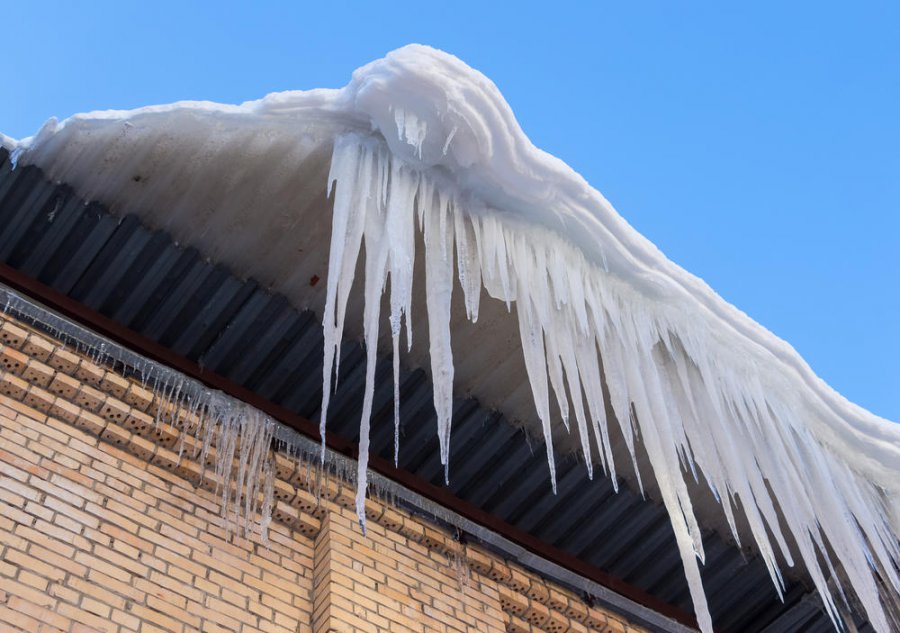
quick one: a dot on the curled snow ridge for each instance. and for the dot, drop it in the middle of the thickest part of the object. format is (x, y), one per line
(703, 383)
(423, 143)
(489, 157)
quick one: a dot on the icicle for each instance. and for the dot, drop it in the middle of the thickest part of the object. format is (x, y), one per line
(400, 227)
(395, 362)
(536, 365)
(589, 370)
(347, 222)
(555, 373)
(585, 334)
(228, 436)
(438, 290)
(566, 346)
(267, 504)
(376, 271)
(468, 264)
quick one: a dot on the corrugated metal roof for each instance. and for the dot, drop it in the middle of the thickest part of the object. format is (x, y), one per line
(172, 295)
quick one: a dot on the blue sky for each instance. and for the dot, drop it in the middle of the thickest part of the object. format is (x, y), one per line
(758, 146)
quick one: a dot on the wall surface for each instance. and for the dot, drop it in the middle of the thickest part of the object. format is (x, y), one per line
(104, 526)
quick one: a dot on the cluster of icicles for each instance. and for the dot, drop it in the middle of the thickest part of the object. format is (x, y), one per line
(237, 443)
(230, 437)
(580, 328)
(239, 439)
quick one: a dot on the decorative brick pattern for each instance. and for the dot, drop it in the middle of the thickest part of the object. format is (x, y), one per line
(104, 528)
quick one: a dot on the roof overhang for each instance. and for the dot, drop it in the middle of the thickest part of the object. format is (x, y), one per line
(247, 187)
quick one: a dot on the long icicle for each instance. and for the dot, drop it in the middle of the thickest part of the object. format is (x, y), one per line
(697, 406)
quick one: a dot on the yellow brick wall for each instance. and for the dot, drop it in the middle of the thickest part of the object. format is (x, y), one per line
(104, 528)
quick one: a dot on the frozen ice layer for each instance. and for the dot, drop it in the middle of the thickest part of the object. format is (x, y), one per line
(426, 162)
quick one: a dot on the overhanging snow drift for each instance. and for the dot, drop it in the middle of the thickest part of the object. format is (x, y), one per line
(428, 162)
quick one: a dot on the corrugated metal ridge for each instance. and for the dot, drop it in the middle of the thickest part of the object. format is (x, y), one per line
(143, 281)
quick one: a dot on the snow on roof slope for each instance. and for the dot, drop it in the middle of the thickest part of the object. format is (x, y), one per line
(426, 160)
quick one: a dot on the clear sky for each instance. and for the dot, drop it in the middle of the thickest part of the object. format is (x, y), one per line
(758, 146)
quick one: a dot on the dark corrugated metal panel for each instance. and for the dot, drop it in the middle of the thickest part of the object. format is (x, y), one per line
(143, 280)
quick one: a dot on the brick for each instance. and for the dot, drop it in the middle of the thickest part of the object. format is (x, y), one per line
(12, 360)
(97, 592)
(121, 561)
(64, 360)
(39, 398)
(30, 579)
(138, 397)
(88, 421)
(20, 464)
(30, 594)
(38, 373)
(125, 589)
(37, 347)
(80, 517)
(63, 494)
(34, 564)
(103, 567)
(19, 620)
(96, 607)
(184, 589)
(128, 622)
(64, 386)
(93, 622)
(10, 509)
(62, 592)
(14, 492)
(116, 435)
(12, 334)
(114, 384)
(89, 373)
(115, 536)
(57, 559)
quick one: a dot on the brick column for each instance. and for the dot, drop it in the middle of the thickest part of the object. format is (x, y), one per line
(386, 582)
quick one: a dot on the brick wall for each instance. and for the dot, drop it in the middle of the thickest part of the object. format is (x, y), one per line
(104, 528)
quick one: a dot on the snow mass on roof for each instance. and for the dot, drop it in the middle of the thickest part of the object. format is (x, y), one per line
(428, 161)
